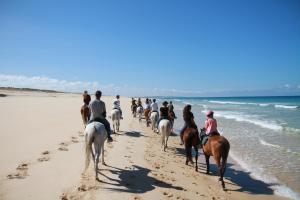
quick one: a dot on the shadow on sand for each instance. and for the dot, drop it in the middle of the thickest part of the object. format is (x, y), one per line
(234, 174)
(136, 180)
(134, 134)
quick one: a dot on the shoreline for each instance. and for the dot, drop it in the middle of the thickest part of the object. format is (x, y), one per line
(137, 167)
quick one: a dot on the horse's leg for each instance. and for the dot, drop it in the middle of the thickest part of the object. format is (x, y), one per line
(186, 155)
(190, 155)
(207, 163)
(102, 149)
(118, 125)
(97, 154)
(217, 158)
(196, 157)
(163, 139)
(167, 139)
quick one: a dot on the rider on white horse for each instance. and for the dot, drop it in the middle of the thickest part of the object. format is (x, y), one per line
(98, 113)
(116, 104)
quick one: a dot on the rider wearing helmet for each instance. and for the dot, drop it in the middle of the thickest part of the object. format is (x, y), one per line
(86, 98)
(210, 124)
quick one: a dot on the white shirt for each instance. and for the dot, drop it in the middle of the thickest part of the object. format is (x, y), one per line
(116, 103)
(97, 108)
(154, 107)
(147, 106)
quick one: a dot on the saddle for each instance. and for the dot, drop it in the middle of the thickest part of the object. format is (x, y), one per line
(204, 138)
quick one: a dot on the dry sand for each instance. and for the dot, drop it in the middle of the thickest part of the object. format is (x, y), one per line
(42, 157)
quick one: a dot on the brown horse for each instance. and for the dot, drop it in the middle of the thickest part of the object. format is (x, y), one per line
(85, 114)
(146, 114)
(191, 139)
(218, 147)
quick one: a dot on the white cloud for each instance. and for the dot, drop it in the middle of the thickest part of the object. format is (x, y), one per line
(44, 82)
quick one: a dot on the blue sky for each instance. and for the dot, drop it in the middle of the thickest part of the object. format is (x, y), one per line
(153, 47)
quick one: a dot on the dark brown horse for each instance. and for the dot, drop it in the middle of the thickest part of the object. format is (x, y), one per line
(85, 114)
(191, 139)
(218, 147)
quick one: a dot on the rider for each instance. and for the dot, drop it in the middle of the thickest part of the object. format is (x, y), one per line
(98, 113)
(171, 109)
(133, 105)
(154, 106)
(189, 122)
(164, 111)
(211, 124)
(139, 103)
(116, 105)
(86, 98)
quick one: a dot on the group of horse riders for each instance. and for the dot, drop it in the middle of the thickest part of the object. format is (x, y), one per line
(167, 112)
(95, 111)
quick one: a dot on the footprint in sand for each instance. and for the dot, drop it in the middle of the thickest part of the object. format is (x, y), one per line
(137, 198)
(63, 146)
(80, 133)
(74, 139)
(21, 172)
(45, 156)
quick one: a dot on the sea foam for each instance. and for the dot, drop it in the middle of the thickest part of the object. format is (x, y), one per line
(285, 106)
(269, 144)
(240, 117)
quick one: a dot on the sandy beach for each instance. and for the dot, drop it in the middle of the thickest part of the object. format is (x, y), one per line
(42, 157)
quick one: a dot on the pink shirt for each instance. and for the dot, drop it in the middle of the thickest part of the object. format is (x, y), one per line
(210, 125)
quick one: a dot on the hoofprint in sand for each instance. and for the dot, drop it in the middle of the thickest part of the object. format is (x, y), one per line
(47, 161)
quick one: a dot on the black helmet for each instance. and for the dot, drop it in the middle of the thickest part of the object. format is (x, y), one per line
(165, 103)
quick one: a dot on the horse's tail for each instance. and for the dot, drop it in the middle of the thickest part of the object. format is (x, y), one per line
(225, 156)
(88, 148)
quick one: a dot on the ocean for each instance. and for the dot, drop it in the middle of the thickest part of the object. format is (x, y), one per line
(264, 133)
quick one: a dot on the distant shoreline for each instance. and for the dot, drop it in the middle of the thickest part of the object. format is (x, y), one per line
(30, 90)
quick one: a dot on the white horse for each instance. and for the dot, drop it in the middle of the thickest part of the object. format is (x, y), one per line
(115, 117)
(165, 128)
(154, 120)
(140, 112)
(96, 134)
